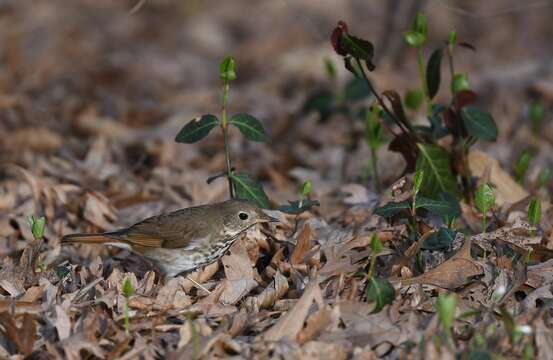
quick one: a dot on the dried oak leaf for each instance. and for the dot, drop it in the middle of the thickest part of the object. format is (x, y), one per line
(452, 273)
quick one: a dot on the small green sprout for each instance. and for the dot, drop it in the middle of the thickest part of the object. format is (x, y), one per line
(446, 306)
(522, 165)
(484, 200)
(37, 226)
(128, 291)
(534, 212)
(459, 83)
(380, 291)
(543, 178)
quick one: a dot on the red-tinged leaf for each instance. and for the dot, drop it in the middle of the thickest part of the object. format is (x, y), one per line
(336, 38)
(402, 145)
(467, 45)
(464, 98)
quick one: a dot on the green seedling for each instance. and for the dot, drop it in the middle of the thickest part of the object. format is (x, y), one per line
(378, 291)
(303, 204)
(128, 291)
(446, 306)
(543, 178)
(536, 111)
(419, 144)
(414, 99)
(485, 201)
(534, 213)
(374, 138)
(522, 165)
(37, 227)
(241, 185)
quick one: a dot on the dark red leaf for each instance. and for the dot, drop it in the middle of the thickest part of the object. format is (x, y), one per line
(336, 38)
(402, 144)
(464, 98)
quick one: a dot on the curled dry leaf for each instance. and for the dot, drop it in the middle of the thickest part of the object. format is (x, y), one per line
(302, 246)
(276, 290)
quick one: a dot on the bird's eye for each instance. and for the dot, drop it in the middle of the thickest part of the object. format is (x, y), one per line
(243, 216)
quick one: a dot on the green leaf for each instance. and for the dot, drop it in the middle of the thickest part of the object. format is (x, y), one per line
(479, 124)
(522, 165)
(452, 37)
(460, 83)
(446, 305)
(227, 69)
(294, 207)
(128, 289)
(358, 48)
(419, 176)
(438, 207)
(413, 99)
(37, 227)
(455, 211)
(440, 240)
(537, 114)
(414, 38)
(433, 72)
(438, 177)
(543, 177)
(330, 68)
(392, 208)
(420, 24)
(484, 198)
(250, 127)
(247, 188)
(306, 188)
(356, 89)
(534, 212)
(376, 244)
(380, 292)
(196, 130)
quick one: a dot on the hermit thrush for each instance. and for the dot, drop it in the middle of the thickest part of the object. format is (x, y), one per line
(185, 239)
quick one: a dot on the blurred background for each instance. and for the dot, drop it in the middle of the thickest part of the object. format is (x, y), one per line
(92, 93)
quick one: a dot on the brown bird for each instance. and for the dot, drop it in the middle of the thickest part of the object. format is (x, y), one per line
(185, 239)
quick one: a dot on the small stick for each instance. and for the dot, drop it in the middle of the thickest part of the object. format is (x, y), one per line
(198, 285)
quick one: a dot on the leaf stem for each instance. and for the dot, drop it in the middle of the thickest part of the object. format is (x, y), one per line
(224, 128)
(371, 266)
(374, 167)
(424, 84)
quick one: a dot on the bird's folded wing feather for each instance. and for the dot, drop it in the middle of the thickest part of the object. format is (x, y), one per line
(166, 231)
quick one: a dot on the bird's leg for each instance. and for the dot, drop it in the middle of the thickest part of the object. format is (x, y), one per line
(198, 285)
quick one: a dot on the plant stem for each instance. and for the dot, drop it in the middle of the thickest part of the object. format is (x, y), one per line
(374, 167)
(451, 66)
(484, 222)
(424, 84)
(224, 128)
(126, 316)
(371, 266)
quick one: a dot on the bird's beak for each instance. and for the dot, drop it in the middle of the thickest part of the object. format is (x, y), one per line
(264, 218)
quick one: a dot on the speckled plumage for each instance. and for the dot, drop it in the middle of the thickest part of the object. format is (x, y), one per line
(185, 239)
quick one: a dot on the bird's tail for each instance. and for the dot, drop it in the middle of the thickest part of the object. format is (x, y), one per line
(91, 238)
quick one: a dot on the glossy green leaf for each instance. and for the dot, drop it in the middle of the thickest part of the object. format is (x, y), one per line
(438, 207)
(479, 124)
(484, 198)
(392, 208)
(250, 127)
(196, 130)
(433, 72)
(227, 69)
(37, 226)
(380, 292)
(358, 48)
(534, 212)
(297, 207)
(247, 188)
(440, 240)
(438, 177)
(127, 289)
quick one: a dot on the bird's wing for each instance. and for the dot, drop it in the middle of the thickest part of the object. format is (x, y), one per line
(171, 231)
